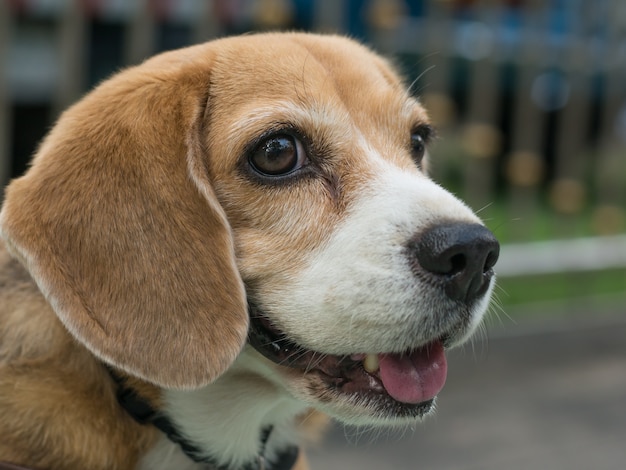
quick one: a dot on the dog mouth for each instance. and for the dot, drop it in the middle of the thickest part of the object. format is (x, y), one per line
(402, 384)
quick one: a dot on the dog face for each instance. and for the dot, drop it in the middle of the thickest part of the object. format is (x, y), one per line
(267, 187)
(324, 186)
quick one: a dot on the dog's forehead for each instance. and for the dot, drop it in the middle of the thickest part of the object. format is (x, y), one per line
(277, 60)
(309, 70)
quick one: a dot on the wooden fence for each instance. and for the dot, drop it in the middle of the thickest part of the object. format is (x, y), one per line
(530, 95)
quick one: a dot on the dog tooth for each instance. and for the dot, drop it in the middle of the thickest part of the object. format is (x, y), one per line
(370, 363)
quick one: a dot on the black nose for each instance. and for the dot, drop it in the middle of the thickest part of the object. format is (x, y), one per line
(460, 255)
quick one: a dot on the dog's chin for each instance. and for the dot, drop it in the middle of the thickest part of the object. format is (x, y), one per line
(358, 388)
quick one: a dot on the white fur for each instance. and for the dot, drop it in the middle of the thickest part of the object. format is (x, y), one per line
(358, 294)
(227, 417)
(166, 455)
(358, 291)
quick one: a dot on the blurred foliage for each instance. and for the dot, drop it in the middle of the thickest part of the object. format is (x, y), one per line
(604, 288)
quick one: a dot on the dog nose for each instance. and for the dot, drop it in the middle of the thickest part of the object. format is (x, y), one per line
(459, 254)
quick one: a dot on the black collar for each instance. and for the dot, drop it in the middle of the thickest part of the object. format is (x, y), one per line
(142, 412)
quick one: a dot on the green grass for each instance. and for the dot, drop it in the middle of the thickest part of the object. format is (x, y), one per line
(563, 287)
(511, 226)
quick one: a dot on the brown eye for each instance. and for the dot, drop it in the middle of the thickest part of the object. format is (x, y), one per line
(278, 155)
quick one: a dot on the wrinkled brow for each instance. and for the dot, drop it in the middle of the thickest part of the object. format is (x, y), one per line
(310, 119)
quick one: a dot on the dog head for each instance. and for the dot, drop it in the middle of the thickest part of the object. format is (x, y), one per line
(278, 178)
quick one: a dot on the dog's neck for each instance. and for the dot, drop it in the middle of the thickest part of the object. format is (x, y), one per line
(228, 419)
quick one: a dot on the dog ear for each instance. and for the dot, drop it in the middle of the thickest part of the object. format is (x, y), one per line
(118, 225)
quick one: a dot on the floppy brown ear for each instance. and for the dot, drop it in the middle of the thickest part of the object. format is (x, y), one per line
(118, 225)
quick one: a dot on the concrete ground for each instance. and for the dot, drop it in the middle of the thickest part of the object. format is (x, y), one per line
(546, 393)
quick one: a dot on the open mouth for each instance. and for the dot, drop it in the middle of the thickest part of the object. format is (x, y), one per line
(404, 384)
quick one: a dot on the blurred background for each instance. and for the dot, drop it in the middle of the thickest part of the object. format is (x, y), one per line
(530, 100)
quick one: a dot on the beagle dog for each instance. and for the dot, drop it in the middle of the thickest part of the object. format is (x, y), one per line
(216, 249)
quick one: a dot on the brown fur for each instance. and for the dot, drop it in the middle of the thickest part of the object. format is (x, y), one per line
(140, 246)
(50, 385)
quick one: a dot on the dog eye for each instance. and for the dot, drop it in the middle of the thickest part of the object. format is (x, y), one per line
(418, 147)
(278, 155)
(419, 139)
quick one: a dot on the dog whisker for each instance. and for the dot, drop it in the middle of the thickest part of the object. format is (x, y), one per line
(417, 91)
(313, 362)
(485, 207)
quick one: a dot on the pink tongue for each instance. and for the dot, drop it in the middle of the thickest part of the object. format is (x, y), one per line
(415, 377)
